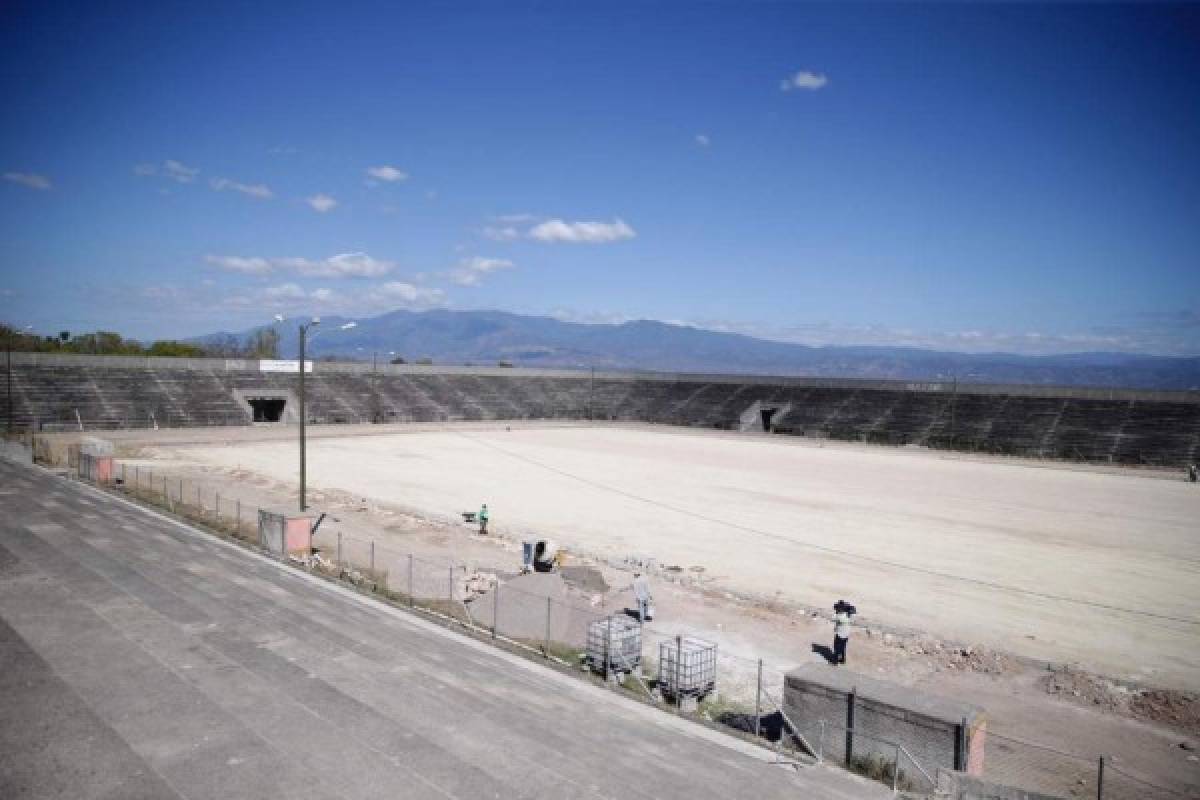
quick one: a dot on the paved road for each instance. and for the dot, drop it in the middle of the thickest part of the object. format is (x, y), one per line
(141, 659)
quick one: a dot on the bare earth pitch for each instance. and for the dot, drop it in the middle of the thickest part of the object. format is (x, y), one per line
(1105, 564)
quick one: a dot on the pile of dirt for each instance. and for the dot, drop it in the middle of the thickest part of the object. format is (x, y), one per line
(980, 659)
(970, 658)
(1177, 709)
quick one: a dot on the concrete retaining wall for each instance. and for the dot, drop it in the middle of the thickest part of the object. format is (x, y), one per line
(867, 717)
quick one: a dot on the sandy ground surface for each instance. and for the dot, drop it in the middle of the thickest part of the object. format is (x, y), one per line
(1051, 563)
(427, 474)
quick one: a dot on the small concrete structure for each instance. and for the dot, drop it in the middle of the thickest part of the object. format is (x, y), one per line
(285, 531)
(865, 717)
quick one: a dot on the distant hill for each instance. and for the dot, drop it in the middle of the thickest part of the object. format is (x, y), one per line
(486, 337)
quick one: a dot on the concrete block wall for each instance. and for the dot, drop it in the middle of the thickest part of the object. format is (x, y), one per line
(882, 715)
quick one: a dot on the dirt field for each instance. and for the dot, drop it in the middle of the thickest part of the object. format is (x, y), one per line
(1052, 562)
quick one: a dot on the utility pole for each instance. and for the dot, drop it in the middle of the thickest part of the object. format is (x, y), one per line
(591, 396)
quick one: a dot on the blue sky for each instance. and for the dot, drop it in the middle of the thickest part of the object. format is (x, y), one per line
(1021, 178)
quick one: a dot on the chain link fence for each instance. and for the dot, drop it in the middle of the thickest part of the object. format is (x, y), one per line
(743, 695)
(1056, 772)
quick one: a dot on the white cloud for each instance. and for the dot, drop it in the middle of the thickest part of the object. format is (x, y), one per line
(250, 266)
(703, 140)
(346, 265)
(408, 293)
(321, 203)
(470, 271)
(169, 169)
(556, 230)
(292, 298)
(516, 218)
(29, 179)
(505, 233)
(342, 265)
(284, 291)
(255, 190)
(387, 174)
(809, 81)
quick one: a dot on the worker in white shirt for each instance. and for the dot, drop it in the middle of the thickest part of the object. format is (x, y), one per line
(841, 630)
(641, 591)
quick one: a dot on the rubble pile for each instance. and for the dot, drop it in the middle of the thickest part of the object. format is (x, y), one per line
(477, 584)
(1178, 709)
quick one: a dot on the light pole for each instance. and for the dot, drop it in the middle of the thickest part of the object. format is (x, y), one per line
(303, 335)
(304, 328)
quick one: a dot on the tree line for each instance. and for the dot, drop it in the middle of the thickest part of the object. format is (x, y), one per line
(262, 343)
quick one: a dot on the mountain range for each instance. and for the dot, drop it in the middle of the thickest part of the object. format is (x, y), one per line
(488, 337)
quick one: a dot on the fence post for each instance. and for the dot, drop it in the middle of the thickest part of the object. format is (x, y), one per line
(372, 556)
(411, 589)
(238, 511)
(217, 501)
(678, 664)
(181, 491)
(495, 608)
(339, 550)
(1100, 780)
(546, 641)
(896, 770)
(450, 585)
(607, 646)
(960, 746)
(851, 703)
(758, 701)
(137, 477)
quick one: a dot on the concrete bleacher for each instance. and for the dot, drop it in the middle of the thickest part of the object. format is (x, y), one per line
(1121, 426)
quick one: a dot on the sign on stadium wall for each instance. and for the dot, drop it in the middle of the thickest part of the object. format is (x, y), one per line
(284, 366)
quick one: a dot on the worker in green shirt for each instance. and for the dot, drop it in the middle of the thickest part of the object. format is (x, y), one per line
(483, 519)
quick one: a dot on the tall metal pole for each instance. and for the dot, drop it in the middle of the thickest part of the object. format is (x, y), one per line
(591, 395)
(303, 333)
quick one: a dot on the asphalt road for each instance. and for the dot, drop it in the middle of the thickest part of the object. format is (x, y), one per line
(142, 659)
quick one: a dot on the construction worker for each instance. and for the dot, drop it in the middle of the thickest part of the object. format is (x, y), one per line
(641, 592)
(841, 630)
(483, 519)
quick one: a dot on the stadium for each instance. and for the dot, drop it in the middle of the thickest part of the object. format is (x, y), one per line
(599, 400)
(1046, 529)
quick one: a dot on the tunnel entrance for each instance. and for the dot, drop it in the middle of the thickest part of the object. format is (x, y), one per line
(268, 409)
(767, 415)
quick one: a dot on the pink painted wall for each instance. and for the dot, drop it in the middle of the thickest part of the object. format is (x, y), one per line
(298, 533)
(975, 749)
